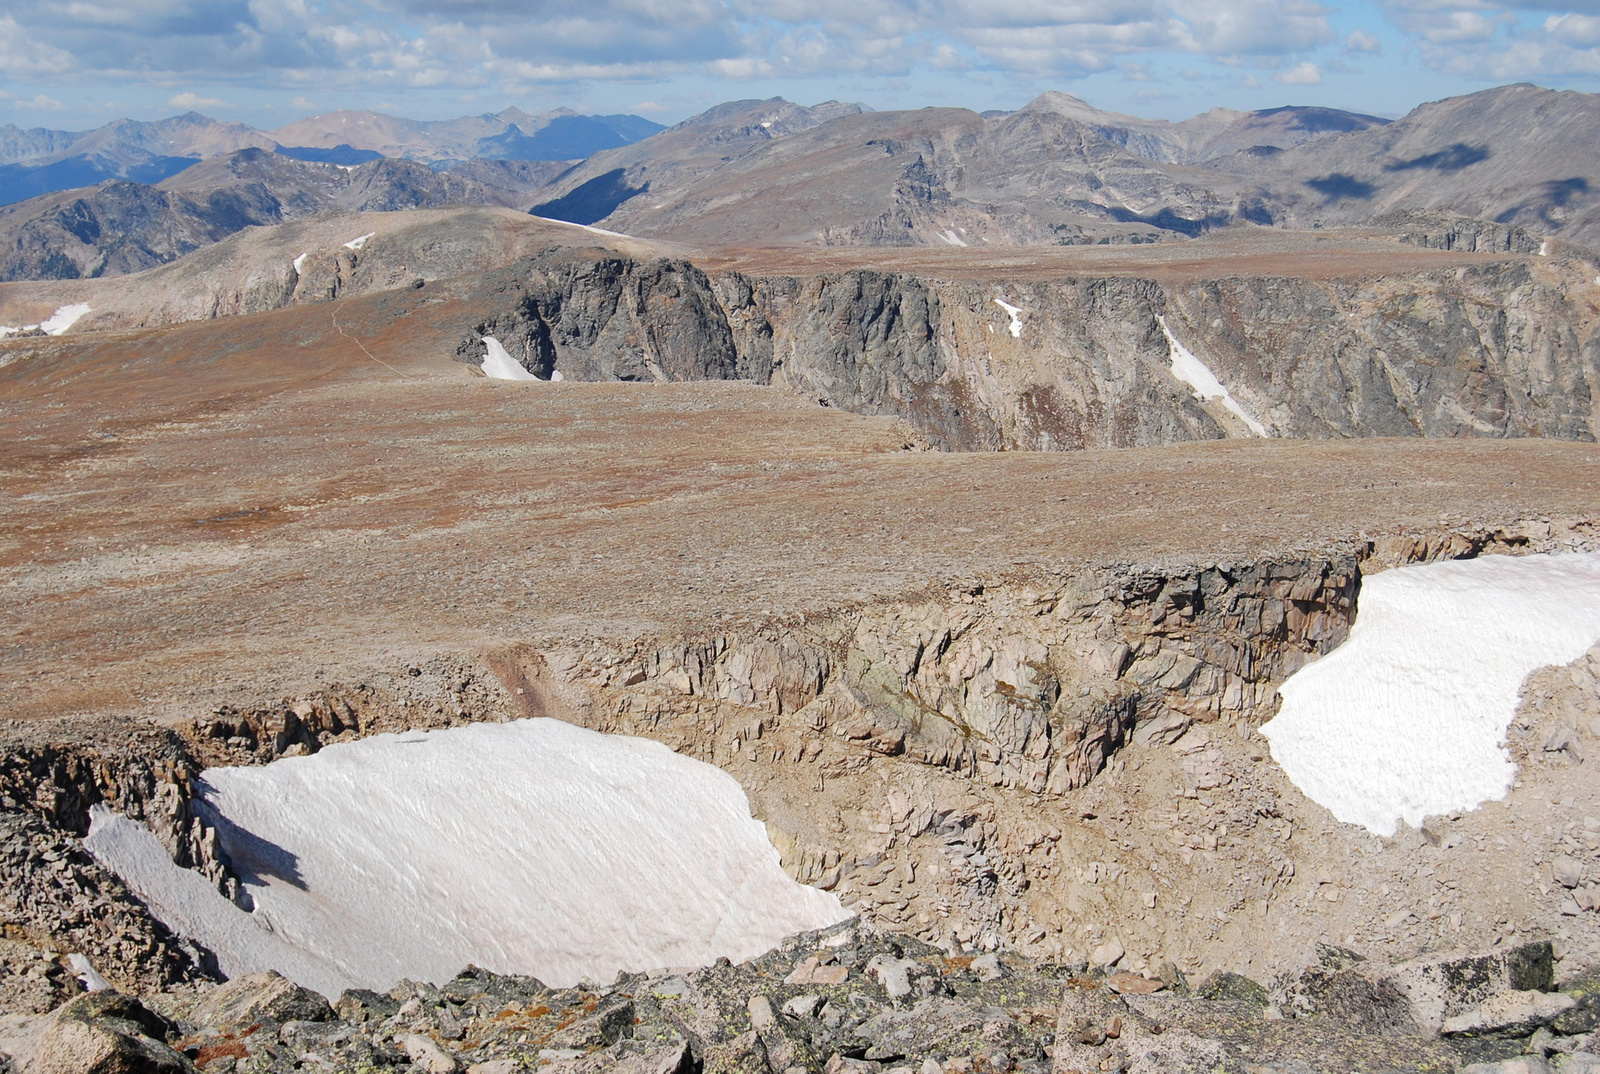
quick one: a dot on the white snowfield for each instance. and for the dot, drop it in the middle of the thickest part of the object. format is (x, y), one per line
(499, 365)
(300, 264)
(1408, 717)
(187, 904)
(1014, 312)
(950, 237)
(53, 325)
(532, 847)
(358, 243)
(1198, 376)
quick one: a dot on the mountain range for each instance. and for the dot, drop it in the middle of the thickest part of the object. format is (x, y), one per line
(1504, 168)
(1058, 171)
(41, 161)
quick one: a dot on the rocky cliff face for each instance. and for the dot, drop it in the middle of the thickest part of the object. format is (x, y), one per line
(1507, 348)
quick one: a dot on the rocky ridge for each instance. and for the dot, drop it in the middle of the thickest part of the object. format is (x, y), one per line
(853, 999)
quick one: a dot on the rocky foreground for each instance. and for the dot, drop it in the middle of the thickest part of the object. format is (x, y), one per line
(853, 999)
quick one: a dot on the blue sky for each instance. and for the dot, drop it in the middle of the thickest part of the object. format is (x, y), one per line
(80, 63)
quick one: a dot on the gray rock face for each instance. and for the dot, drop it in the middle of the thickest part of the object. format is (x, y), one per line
(1496, 350)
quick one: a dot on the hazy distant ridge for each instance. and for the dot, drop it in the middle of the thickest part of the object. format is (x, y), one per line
(40, 161)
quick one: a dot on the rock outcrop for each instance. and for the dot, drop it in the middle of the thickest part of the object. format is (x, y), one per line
(1501, 349)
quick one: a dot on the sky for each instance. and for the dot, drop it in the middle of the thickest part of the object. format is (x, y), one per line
(76, 64)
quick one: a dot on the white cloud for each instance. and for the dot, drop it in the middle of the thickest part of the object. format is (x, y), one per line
(1581, 31)
(1254, 27)
(189, 100)
(39, 102)
(1305, 73)
(328, 49)
(24, 56)
(1489, 40)
(1361, 41)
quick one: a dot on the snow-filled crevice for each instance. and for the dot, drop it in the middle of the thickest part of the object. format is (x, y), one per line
(532, 847)
(499, 365)
(1204, 383)
(1015, 313)
(1408, 717)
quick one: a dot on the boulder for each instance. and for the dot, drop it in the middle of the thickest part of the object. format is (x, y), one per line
(611, 1021)
(1441, 986)
(259, 997)
(624, 1057)
(1582, 1017)
(1098, 1030)
(427, 1055)
(1232, 986)
(1511, 1013)
(99, 1033)
(1522, 1064)
(1107, 954)
(985, 968)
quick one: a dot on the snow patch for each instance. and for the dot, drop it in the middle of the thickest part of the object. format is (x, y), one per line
(531, 847)
(1014, 312)
(64, 318)
(54, 325)
(499, 365)
(356, 244)
(949, 236)
(1204, 383)
(92, 981)
(586, 227)
(300, 264)
(1407, 718)
(1544, 248)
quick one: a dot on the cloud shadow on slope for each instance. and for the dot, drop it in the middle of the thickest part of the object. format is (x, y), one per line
(1451, 159)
